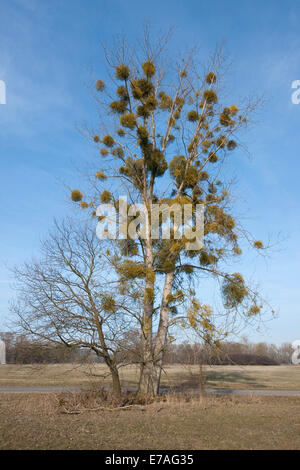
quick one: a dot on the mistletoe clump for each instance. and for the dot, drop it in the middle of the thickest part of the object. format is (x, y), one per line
(234, 290)
(76, 195)
(108, 141)
(122, 72)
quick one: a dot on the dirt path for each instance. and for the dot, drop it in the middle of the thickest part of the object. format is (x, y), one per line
(210, 391)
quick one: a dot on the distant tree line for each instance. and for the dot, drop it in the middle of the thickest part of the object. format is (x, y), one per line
(243, 353)
(21, 349)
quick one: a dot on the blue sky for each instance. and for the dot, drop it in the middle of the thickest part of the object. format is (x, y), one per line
(48, 49)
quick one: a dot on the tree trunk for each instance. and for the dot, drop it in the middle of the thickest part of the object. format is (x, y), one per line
(147, 379)
(110, 362)
(116, 382)
(161, 337)
(146, 382)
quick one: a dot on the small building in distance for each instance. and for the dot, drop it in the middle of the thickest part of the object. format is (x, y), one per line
(2, 352)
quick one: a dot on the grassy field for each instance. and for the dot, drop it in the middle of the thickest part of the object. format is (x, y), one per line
(34, 421)
(236, 377)
(44, 421)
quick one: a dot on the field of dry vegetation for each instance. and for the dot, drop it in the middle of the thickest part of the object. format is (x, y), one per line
(48, 421)
(90, 420)
(236, 377)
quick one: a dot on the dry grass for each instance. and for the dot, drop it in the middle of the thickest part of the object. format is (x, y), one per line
(97, 399)
(242, 377)
(237, 377)
(36, 421)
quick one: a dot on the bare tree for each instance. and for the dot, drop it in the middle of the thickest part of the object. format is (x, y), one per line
(68, 297)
